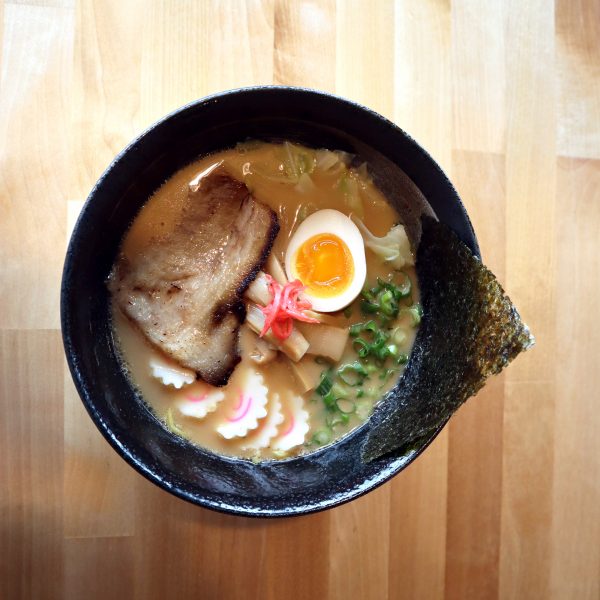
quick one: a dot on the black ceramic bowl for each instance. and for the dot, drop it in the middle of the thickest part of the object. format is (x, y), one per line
(320, 480)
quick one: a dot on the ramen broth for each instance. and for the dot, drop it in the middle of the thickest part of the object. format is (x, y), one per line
(262, 167)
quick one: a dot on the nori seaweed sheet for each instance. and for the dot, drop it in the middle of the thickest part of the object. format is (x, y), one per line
(469, 331)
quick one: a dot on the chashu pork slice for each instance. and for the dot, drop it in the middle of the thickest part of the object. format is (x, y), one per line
(184, 290)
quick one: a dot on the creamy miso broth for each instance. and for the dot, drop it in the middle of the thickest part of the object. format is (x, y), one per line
(285, 396)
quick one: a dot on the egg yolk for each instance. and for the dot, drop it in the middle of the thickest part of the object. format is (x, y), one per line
(324, 264)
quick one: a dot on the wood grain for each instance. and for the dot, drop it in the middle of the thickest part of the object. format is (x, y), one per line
(576, 475)
(360, 44)
(578, 66)
(479, 72)
(106, 90)
(35, 84)
(530, 278)
(31, 543)
(473, 519)
(305, 35)
(506, 97)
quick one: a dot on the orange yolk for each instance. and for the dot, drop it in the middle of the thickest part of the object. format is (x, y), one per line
(324, 264)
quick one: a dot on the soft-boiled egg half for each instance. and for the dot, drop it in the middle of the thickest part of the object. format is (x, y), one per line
(327, 254)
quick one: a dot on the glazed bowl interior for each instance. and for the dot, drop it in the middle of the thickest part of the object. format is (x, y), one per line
(407, 175)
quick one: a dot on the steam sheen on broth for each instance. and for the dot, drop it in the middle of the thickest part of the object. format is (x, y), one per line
(292, 396)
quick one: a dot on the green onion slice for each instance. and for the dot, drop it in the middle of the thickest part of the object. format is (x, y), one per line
(337, 418)
(352, 374)
(345, 406)
(336, 393)
(402, 359)
(362, 347)
(321, 437)
(325, 384)
(415, 312)
(368, 307)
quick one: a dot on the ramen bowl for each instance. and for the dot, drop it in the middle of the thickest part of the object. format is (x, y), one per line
(407, 175)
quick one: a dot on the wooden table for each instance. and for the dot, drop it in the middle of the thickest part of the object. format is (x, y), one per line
(506, 96)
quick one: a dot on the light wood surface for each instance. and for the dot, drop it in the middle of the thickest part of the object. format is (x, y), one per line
(506, 96)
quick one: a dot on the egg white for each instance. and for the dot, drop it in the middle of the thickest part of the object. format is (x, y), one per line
(334, 222)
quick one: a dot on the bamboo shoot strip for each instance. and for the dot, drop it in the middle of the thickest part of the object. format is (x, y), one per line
(294, 347)
(324, 340)
(275, 270)
(258, 290)
(307, 373)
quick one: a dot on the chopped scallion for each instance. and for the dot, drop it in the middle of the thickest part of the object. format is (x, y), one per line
(398, 335)
(404, 289)
(388, 303)
(352, 374)
(393, 350)
(370, 326)
(369, 308)
(337, 392)
(385, 374)
(337, 418)
(345, 406)
(402, 359)
(362, 347)
(363, 409)
(325, 384)
(415, 312)
(321, 437)
(355, 329)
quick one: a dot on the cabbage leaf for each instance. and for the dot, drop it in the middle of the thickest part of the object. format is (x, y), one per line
(393, 247)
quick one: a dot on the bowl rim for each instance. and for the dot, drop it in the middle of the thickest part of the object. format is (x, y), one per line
(388, 470)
